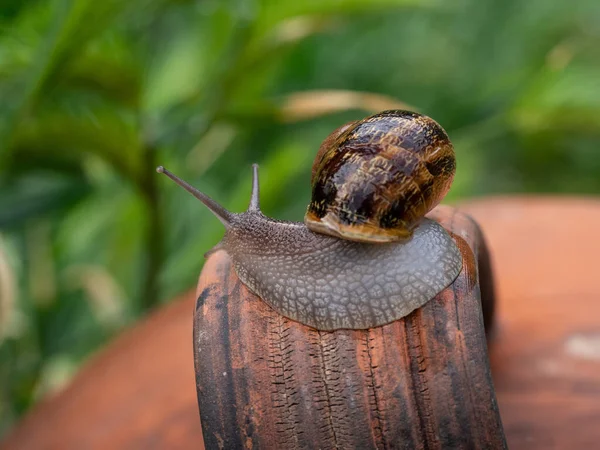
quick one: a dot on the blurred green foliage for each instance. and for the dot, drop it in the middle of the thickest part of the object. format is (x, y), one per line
(95, 94)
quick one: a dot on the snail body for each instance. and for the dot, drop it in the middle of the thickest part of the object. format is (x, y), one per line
(314, 273)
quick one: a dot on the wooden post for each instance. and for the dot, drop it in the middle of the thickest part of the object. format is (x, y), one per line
(422, 382)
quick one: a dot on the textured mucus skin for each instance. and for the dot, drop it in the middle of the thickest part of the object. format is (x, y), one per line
(329, 283)
(374, 179)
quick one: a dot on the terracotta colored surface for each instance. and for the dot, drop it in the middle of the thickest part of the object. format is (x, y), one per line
(546, 352)
(421, 382)
(139, 393)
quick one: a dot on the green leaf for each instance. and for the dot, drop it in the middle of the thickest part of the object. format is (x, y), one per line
(37, 194)
(70, 27)
(567, 100)
(56, 134)
(274, 11)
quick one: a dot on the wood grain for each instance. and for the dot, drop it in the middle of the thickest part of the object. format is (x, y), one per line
(422, 382)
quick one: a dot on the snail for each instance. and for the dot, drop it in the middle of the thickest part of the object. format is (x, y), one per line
(366, 255)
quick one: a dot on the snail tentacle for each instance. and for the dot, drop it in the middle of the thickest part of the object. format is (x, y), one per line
(255, 196)
(220, 212)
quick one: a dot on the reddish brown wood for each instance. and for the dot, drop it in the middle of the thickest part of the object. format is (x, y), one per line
(421, 382)
(140, 393)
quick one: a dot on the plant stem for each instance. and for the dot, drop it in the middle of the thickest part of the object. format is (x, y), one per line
(154, 233)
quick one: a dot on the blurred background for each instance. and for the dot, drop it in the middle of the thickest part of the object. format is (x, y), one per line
(95, 94)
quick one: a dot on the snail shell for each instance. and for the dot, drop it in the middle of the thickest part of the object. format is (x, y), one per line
(331, 282)
(374, 179)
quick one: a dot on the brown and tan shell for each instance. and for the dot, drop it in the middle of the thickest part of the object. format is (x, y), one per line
(374, 180)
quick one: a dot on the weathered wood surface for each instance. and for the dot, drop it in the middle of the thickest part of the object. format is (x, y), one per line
(422, 382)
(139, 393)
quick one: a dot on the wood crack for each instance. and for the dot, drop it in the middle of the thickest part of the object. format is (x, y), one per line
(418, 368)
(328, 398)
(376, 410)
(284, 392)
